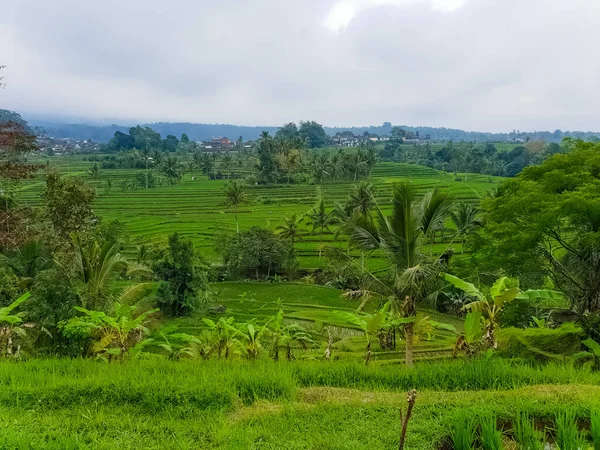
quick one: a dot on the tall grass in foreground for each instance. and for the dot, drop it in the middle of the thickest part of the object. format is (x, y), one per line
(595, 428)
(463, 431)
(526, 436)
(491, 437)
(156, 385)
(567, 435)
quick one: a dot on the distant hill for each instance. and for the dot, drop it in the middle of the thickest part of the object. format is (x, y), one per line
(201, 132)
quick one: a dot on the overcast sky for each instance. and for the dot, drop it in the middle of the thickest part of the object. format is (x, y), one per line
(487, 65)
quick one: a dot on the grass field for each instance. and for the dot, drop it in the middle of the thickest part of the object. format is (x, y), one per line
(195, 208)
(77, 404)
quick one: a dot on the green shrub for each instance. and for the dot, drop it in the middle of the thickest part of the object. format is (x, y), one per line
(541, 344)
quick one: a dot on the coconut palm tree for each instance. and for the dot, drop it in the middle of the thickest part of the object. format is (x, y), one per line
(465, 219)
(94, 171)
(400, 238)
(290, 228)
(361, 200)
(320, 219)
(96, 266)
(235, 196)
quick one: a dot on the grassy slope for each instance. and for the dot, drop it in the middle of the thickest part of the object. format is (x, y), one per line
(195, 208)
(177, 405)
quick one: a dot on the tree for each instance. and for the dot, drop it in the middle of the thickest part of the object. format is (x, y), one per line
(361, 200)
(267, 166)
(184, 277)
(16, 143)
(112, 336)
(546, 223)
(226, 162)
(257, 251)
(288, 131)
(68, 204)
(206, 164)
(314, 134)
(490, 307)
(96, 266)
(234, 197)
(465, 220)
(171, 168)
(399, 237)
(290, 228)
(320, 219)
(94, 171)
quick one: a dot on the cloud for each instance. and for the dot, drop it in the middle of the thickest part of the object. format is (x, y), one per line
(478, 64)
(342, 12)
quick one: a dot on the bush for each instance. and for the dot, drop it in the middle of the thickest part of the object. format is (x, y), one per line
(541, 344)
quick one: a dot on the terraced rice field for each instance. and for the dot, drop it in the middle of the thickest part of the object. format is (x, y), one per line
(195, 209)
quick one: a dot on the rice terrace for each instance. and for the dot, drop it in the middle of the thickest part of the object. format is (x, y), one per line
(183, 265)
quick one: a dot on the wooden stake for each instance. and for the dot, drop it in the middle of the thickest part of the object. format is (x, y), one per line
(411, 398)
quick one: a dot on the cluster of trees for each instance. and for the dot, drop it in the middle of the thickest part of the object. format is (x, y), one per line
(146, 138)
(280, 159)
(469, 157)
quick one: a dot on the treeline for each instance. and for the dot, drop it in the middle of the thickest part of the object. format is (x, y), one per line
(200, 132)
(469, 157)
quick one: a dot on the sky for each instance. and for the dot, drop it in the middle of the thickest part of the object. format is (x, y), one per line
(480, 65)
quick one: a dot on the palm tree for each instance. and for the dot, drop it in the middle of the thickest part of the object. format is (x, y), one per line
(361, 200)
(146, 155)
(207, 164)
(171, 168)
(290, 228)
(97, 266)
(235, 196)
(320, 219)
(465, 219)
(399, 237)
(94, 171)
(226, 162)
(357, 162)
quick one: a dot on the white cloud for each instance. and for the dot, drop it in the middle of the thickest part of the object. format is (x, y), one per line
(343, 11)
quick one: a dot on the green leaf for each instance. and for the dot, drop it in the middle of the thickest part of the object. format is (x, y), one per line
(468, 288)
(498, 287)
(593, 346)
(532, 294)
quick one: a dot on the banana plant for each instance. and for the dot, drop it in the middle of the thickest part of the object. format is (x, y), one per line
(371, 324)
(468, 340)
(112, 336)
(225, 334)
(592, 355)
(285, 336)
(252, 336)
(492, 305)
(10, 326)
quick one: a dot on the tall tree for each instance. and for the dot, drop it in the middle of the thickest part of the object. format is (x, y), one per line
(320, 218)
(234, 197)
(400, 238)
(290, 228)
(183, 275)
(68, 204)
(16, 143)
(465, 219)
